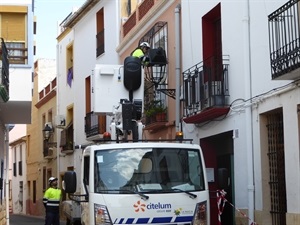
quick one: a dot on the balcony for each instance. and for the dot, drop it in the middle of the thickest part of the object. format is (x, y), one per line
(95, 126)
(67, 139)
(4, 65)
(142, 10)
(205, 90)
(47, 93)
(47, 150)
(284, 37)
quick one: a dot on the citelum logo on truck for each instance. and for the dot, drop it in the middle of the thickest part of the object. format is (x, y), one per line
(141, 207)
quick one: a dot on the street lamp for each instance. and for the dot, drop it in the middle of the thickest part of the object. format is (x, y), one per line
(47, 131)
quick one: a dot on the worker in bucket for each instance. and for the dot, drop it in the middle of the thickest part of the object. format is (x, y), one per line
(141, 52)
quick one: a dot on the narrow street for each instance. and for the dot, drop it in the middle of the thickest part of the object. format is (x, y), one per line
(17, 219)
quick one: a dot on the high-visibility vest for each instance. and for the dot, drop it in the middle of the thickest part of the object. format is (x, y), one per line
(51, 199)
(138, 53)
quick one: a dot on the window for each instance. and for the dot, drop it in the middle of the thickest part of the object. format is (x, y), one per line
(156, 76)
(34, 192)
(161, 169)
(100, 32)
(212, 45)
(21, 192)
(13, 30)
(44, 178)
(15, 154)
(70, 74)
(21, 150)
(86, 170)
(10, 189)
(16, 52)
(67, 137)
(67, 134)
(160, 41)
(50, 116)
(20, 167)
(15, 162)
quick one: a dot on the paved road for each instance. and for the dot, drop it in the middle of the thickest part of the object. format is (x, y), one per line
(16, 219)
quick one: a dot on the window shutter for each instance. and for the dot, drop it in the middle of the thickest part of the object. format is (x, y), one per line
(63, 138)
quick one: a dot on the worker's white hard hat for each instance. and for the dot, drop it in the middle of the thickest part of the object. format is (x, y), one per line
(145, 44)
(51, 179)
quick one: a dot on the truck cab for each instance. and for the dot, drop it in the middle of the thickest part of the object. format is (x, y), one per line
(141, 183)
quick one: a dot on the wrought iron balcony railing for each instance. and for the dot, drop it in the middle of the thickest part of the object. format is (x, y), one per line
(205, 85)
(284, 36)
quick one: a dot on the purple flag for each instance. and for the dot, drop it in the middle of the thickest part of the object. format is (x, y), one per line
(70, 76)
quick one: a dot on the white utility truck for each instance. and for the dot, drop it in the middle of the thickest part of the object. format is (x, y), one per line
(142, 183)
(137, 181)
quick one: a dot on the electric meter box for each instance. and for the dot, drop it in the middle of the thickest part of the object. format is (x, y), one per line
(108, 88)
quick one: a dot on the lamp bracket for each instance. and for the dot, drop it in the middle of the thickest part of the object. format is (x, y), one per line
(169, 92)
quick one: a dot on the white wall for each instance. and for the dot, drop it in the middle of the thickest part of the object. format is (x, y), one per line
(16, 133)
(84, 50)
(234, 23)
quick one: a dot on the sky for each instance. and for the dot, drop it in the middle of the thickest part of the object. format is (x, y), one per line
(49, 13)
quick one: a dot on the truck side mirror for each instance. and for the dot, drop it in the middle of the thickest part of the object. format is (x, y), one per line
(69, 182)
(222, 178)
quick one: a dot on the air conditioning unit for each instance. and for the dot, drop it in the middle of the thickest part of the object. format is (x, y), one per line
(49, 124)
(124, 19)
(50, 154)
(60, 121)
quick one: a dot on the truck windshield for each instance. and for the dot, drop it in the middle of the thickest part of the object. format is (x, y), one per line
(148, 170)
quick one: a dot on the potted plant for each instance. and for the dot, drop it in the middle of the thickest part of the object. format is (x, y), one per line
(156, 111)
(160, 113)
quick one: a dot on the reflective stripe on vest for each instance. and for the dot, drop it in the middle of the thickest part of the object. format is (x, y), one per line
(52, 197)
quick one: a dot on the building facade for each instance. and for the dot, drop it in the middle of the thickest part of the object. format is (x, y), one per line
(241, 102)
(17, 51)
(41, 143)
(88, 38)
(229, 82)
(154, 22)
(17, 156)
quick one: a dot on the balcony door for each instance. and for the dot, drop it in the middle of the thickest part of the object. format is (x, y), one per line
(212, 45)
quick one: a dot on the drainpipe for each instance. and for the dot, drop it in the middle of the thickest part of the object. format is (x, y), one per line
(248, 110)
(57, 113)
(7, 172)
(177, 66)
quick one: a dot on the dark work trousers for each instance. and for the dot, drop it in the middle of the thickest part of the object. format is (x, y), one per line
(52, 218)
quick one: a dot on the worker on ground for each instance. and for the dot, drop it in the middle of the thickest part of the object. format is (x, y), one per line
(51, 202)
(141, 53)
